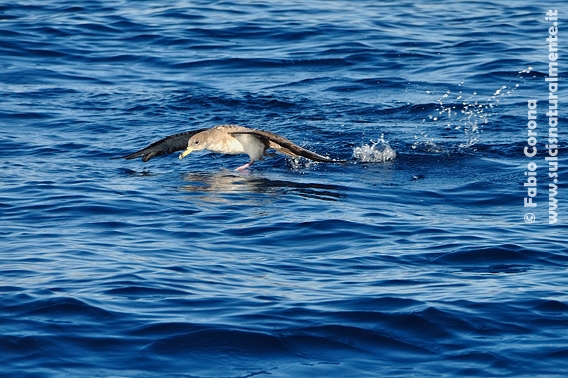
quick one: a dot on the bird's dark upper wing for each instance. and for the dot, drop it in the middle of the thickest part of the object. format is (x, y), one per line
(287, 146)
(168, 145)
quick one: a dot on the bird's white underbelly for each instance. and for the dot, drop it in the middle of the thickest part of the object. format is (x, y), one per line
(251, 145)
(229, 146)
(240, 144)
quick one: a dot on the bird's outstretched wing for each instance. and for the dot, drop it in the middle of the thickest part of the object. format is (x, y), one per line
(285, 146)
(167, 145)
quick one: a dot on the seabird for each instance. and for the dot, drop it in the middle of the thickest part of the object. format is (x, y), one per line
(228, 139)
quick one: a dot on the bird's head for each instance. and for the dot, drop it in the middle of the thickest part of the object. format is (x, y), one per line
(197, 142)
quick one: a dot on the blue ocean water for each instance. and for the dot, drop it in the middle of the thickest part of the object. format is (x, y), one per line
(412, 259)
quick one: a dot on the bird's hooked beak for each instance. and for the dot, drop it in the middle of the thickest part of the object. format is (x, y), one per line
(185, 153)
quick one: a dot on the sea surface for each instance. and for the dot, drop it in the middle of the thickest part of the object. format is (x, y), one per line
(415, 258)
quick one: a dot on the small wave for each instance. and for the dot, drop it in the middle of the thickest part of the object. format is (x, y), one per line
(377, 152)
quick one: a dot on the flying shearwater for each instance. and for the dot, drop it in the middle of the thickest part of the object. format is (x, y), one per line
(228, 139)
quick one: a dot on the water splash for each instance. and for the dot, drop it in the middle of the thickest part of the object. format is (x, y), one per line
(377, 152)
(301, 165)
(428, 146)
(470, 114)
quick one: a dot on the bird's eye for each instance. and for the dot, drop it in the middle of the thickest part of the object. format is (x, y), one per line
(196, 142)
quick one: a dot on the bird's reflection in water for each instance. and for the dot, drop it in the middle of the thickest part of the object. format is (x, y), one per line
(213, 186)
